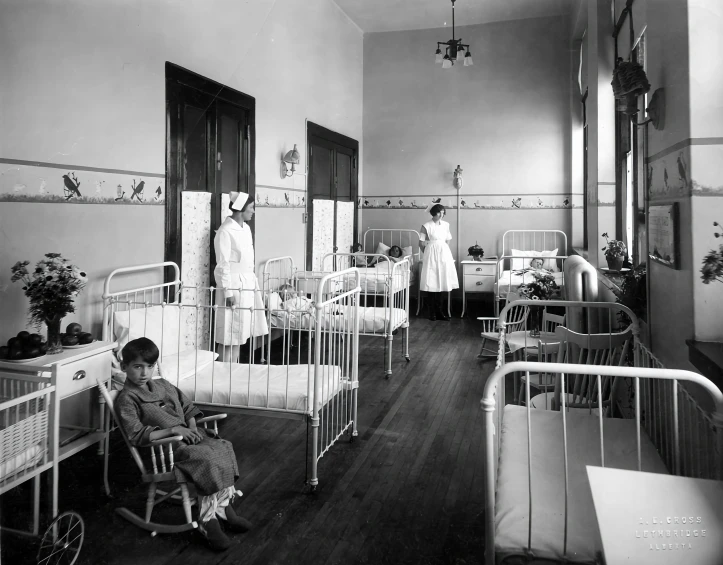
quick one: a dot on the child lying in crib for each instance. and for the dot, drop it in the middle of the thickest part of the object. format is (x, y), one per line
(394, 253)
(292, 302)
(536, 266)
(151, 409)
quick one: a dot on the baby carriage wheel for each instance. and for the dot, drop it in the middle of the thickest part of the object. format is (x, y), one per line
(62, 540)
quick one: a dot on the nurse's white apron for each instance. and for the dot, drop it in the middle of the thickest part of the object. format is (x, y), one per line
(438, 270)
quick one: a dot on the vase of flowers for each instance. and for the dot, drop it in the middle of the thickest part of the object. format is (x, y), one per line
(712, 269)
(543, 287)
(51, 288)
(615, 252)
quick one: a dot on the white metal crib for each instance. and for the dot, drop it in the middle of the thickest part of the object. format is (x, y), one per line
(651, 419)
(384, 294)
(313, 377)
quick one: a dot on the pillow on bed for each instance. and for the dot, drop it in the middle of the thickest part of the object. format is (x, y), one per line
(158, 323)
(518, 264)
(274, 301)
(185, 364)
(407, 252)
(382, 249)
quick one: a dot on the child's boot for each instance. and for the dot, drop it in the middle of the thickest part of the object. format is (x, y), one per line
(235, 522)
(211, 530)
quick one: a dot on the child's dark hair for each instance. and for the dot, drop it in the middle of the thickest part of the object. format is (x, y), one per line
(141, 348)
(395, 251)
(436, 209)
(357, 247)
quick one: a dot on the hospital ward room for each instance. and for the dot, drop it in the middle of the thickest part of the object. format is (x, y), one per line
(422, 282)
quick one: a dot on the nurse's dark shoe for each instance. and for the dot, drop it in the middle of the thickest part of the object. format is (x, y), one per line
(442, 316)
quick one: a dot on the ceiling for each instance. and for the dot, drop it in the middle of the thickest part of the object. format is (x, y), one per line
(395, 15)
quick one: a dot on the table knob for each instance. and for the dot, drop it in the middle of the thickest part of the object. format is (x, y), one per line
(79, 375)
(479, 283)
(478, 269)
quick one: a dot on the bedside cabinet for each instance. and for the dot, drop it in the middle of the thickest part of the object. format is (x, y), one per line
(478, 276)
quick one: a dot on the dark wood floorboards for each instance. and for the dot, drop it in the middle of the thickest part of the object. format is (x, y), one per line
(407, 491)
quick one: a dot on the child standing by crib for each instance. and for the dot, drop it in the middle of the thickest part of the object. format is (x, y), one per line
(150, 409)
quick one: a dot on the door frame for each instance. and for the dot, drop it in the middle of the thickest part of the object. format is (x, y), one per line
(315, 130)
(180, 79)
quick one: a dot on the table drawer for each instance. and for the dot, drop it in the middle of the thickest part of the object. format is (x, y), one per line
(83, 373)
(473, 283)
(480, 269)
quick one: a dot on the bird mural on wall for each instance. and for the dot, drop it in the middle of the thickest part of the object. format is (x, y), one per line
(366, 202)
(682, 171)
(517, 202)
(539, 202)
(389, 203)
(665, 180)
(121, 193)
(138, 190)
(463, 203)
(436, 200)
(566, 202)
(401, 203)
(477, 204)
(159, 193)
(286, 199)
(71, 186)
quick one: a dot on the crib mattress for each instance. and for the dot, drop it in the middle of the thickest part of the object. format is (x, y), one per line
(548, 480)
(510, 281)
(284, 387)
(375, 280)
(372, 320)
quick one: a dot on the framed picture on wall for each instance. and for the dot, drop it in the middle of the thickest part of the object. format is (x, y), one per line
(663, 235)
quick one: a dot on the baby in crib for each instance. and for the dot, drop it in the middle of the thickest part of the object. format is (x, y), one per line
(292, 302)
(536, 266)
(394, 253)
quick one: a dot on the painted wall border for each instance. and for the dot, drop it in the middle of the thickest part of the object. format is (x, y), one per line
(683, 144)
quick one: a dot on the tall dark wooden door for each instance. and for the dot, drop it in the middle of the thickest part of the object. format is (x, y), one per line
(332, 194)
(210, 152)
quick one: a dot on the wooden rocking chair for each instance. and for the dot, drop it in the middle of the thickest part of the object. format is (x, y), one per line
(516, 318)
(162, 461)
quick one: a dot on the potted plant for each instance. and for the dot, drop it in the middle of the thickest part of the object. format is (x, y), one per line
(51, 288)
(543, 287)
(633, 294)
(476, 252)
(712, 269)
(615, 252)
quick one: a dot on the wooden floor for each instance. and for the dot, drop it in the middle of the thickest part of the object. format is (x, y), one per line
(407, 491)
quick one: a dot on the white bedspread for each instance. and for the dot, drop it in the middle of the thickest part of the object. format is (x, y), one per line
(266, 386)
(510, 281)
(375, 280)
(372, 320)
(548, 480)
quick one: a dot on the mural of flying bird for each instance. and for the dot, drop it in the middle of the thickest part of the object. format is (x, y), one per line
(665, 179)
(388, 203)
(682, 170)
(286, 197)
(566, 202)
(516, 202)
(436, 200)
(366, 202)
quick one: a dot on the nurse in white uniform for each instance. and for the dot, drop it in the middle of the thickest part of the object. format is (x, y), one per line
(236, 281)
(438, 271)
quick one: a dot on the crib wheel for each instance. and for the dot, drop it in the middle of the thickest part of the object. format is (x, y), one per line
(312, 489)
(407, 358)
(62, 540)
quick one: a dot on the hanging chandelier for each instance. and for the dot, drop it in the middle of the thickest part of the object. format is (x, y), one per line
(455, 50)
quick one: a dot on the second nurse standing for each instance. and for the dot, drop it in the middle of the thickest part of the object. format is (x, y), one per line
(438, 271)
(236, 281)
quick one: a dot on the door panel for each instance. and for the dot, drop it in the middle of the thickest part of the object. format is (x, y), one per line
(344, 226)
(343, 175)
(196, 139)
(323, 232)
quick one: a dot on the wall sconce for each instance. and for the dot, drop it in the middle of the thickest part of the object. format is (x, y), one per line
(292, 157)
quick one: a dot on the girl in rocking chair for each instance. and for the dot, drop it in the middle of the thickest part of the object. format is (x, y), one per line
(151, 409)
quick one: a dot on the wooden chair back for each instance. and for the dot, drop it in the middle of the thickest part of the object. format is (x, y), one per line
(517, 315)
(550, 322)
(609, 349)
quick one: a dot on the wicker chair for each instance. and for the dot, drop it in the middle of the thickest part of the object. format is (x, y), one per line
(161, 453)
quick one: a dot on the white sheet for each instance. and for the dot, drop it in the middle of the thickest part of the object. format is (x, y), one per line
(374, 280)
(372, 320)
(510, 281)
(548, 480)
(269, 383)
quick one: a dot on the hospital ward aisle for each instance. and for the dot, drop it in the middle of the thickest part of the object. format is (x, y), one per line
(407, 491)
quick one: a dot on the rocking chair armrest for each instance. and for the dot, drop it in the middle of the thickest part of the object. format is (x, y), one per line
(166, 440)
(211, 418)
(489, 324)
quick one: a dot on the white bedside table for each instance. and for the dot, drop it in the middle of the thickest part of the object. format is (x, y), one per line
(478, 276)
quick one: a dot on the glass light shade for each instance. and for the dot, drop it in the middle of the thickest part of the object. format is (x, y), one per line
(447, 62)
(438, 56)
(468, 60)
(460, 54)
(292, 156)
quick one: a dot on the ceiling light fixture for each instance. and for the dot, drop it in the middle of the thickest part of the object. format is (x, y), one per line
(455, 50)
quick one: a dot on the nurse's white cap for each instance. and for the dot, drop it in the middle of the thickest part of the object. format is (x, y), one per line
(239, 200)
